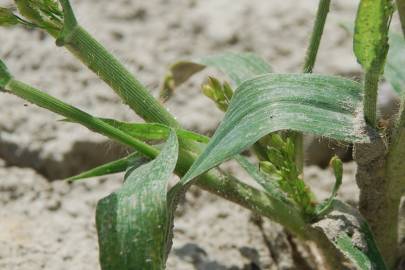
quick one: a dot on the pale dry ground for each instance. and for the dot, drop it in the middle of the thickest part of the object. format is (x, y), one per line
(50, 225)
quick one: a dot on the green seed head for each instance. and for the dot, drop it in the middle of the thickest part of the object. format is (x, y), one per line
(7, 17)
(45, 13)
(221, 94)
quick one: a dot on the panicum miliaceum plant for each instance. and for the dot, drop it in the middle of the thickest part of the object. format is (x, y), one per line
(265, 112)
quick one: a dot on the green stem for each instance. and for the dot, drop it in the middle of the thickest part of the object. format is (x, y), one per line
(317, 31)
(43, 100)
(110, 70)
(312, 52)
(370, 96)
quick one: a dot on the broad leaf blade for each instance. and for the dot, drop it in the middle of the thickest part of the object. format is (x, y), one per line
(322, 105)
(116, 166)
(132, 222)
(371, 32)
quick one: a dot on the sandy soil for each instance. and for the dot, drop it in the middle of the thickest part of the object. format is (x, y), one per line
(47, 224)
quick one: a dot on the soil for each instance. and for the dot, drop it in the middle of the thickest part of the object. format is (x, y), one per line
(46, 223)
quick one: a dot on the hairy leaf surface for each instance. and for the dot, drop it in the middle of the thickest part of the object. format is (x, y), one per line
(132, 223)
(322, 105)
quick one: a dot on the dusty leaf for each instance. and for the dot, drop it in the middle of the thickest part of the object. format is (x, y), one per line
(133, 222)
(305, 103)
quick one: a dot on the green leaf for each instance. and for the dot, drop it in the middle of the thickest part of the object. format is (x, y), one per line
(371, 32)
(394, 72)
(344, 243)
(5, 76)
(368, 258)
(153, 131)
(116, 166)
(132, 223)
(306, 103)
(394, 68)
(238, 66)
(349, 232)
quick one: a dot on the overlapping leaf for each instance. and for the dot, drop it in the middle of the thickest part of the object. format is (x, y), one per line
(132, 223)
(322, 105)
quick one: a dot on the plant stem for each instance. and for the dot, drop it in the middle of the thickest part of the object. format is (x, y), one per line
(317, 31)
(370, 96)
(377, 168)
(110, 70)
(310, 58)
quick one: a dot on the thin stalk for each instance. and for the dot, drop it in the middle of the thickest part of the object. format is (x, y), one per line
(317, 31)
(310, 58)
(110, 70)
(50, 103)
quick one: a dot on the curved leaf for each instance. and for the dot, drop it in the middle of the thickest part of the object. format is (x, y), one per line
(132, 223)
(238, 66)
(322, 105)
